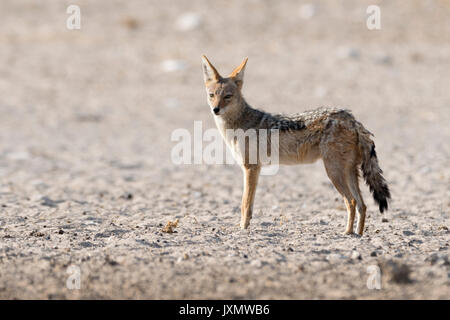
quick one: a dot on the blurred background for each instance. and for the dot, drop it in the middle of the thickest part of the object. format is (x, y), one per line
(132, 72)
(86, 115)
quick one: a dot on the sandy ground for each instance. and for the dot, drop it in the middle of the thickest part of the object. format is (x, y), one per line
(86, 177)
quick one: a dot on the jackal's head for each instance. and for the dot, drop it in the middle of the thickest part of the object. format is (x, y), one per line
(223, 94)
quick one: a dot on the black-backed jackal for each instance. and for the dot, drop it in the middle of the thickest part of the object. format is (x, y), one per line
(328, 133)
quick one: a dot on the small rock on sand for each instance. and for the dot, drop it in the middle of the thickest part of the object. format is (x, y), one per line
(307, 11)
(256, 263)
(171, 65)
(396, 272)
(188, 21)
(356, 255)
(438, 259)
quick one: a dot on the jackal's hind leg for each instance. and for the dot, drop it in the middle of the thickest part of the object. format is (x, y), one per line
(339, 180)
(356, 194)
(351, 210)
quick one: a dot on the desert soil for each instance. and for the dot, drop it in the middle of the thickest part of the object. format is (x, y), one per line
(87, 180)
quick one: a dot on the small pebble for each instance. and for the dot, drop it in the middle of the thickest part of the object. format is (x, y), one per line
(188, 21)
(384, 59)
(307, 11)
(171, 65)
(348, 53)
(356, 255)
(256, 263)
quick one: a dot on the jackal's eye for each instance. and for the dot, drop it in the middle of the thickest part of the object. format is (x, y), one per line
(211, 95)
(228, 97)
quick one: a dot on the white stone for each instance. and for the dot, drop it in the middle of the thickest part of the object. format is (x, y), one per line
(173, 65)
(307, 11)
(188, 21)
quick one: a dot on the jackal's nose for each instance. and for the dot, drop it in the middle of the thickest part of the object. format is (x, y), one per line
(216, 110)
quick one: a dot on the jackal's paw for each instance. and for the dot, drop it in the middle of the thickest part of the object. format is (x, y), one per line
(351, 234)
(244, 224)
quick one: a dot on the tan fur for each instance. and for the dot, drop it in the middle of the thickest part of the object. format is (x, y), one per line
(331, 134)
(251, 174)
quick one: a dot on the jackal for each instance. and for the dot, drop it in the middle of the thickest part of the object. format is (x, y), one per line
(331, 134)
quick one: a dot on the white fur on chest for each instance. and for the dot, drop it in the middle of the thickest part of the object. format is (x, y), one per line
(232, 144)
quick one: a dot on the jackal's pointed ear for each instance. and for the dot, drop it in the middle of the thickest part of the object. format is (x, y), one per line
(209, 72)
(238, 74)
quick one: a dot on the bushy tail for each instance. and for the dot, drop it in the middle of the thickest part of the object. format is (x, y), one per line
(372, 173)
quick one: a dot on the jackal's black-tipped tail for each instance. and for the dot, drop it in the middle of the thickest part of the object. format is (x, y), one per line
(372, 173)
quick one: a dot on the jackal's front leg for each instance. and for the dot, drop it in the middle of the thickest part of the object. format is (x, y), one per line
(251, 174)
